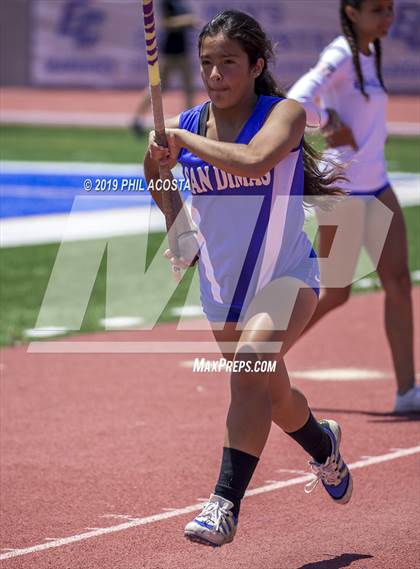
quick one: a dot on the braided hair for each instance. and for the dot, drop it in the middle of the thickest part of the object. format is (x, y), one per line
(241, 27)
(350, 35)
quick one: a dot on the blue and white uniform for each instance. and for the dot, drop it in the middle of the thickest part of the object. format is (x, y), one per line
(334, 82)
(250, 230)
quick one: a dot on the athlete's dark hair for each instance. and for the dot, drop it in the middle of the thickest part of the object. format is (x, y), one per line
(350, 34)
(239, 26)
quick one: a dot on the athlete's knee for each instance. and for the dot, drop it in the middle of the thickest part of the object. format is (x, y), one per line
(246, 371)
(397, 285)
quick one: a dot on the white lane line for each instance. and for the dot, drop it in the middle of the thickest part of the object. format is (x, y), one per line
(339, 374)
(121, 322)
(359, 464)
(120, 516)
(66, 118)
(193, 508)
(290, 471)
(190, 311)
(46, 331)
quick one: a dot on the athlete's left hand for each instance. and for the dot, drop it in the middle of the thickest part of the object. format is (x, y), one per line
(173, 136)
(165, 155)
(178, 264)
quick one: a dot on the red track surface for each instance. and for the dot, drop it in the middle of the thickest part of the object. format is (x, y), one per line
(89, 436)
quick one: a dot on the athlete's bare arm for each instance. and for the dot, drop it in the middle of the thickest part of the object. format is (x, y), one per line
(281, 133)
(151, 165)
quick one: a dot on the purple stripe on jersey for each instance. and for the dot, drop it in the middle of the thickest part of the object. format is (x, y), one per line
(251, 258)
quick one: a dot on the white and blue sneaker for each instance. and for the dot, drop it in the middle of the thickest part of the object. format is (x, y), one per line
(215, 525)
(334, 474)
(409, 402)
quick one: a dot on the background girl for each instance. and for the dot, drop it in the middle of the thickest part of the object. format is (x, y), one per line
(352, 113)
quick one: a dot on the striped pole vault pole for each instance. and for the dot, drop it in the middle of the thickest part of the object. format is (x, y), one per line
(178, 221)
(153, 70)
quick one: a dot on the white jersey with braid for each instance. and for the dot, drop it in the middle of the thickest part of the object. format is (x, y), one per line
(333, 83)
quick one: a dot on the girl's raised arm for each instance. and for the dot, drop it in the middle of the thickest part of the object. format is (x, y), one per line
(330, 68)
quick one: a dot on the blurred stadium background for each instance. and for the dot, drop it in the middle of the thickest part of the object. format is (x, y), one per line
(71, 73)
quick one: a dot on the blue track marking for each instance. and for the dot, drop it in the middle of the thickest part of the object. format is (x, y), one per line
(29, 189)
(39, 194)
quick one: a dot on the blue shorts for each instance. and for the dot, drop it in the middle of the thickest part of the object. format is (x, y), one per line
(373, 193)
(307, 272)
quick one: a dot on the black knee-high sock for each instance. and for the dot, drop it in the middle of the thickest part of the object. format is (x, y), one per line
(313, 439)
(236, 472)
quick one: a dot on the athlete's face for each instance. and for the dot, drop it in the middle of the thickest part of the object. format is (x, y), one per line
(373, 19)
(226, 72)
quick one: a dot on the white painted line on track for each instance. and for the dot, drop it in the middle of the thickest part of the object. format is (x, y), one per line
(93, 528)
(403, 128)
(359, 464)
(120, 516)
(195, 507)
(46, 331)
(121, 322)
(66, 118)
(190, 311)
(339, 374)
(290, 471)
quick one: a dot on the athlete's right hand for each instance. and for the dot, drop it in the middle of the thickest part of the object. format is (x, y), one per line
(164, 156)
